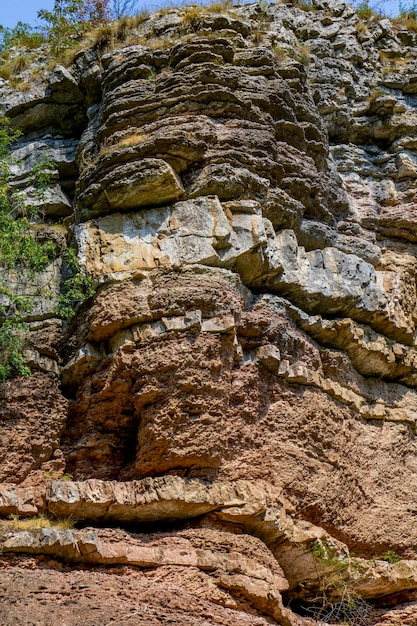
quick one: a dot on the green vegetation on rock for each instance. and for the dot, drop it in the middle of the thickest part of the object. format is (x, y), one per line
(22, 35)
(76, 288)
(61, 23)
(23, 256)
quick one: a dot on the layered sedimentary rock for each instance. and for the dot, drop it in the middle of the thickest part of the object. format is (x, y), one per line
(236, 405)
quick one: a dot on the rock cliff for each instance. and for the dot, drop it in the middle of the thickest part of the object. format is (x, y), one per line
(236, 405)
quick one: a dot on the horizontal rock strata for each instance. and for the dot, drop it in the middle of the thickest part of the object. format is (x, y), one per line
(230, 420)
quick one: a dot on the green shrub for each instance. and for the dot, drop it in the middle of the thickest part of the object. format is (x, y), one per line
(12, 334)
(62, 23)
(21, 35)
(329, 555)
(76, 289)
(20, 254)
(23, 254)
(363, 10)
(390, 556)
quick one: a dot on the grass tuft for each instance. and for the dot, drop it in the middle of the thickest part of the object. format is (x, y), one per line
(405, 21)
(40, 521)
(10, 68)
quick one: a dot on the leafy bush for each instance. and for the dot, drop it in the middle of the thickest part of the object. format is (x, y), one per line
(12, 334)
(61, 23)
(21, 35)
(66, 23)
(363, 10)
(20, 253)
(390, 556)
(76, 289)
(349, 608)
(329, 555)
(23, 254)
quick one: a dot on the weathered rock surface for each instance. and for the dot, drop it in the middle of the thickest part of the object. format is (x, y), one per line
(402, 615)
(33, 413)
(119, 594)
(242, 564)
(237, 403)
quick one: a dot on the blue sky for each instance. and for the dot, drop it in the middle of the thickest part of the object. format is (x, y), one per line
(13, 11)
(26, 10)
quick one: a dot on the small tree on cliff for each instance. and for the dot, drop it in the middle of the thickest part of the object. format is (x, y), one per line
(66, 17)
(61, 22)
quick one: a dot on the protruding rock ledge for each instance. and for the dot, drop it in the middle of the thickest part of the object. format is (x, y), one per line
(302, 563)
(153, 499)
(255, 506)
(240, 564)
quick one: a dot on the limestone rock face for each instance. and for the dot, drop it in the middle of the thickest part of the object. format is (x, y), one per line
(231, 419)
